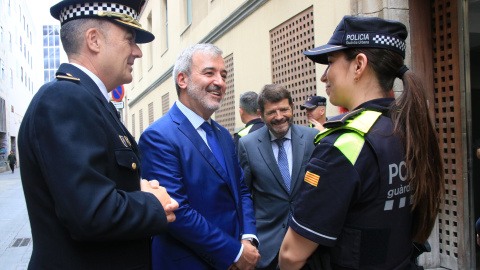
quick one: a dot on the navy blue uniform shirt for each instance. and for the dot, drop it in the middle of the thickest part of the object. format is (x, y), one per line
(360, 208)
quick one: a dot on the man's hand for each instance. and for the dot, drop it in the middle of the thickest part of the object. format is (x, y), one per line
(317, 124)
(169, 204)
(249, 258)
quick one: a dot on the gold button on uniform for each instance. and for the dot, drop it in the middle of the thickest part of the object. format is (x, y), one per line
(134, 166)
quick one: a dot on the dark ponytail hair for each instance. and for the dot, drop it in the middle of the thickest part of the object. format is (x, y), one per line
(410, 116)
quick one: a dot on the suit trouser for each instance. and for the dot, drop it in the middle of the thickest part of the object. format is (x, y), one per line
(272, 265)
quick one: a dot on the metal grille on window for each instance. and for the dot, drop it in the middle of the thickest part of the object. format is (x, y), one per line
(290, 67)
(3, 116)
(225, 116)
(165, 103)
(133, 125)
(150, 113)
(140, 120)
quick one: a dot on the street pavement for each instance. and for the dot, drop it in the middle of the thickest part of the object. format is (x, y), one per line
(15, 235)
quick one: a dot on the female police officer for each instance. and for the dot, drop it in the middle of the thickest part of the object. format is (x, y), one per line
(374, 182)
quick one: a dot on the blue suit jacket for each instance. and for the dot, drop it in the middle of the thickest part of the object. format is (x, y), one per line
(215, 206)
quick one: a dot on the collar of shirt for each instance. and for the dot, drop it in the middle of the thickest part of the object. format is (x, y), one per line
(94, 77)
(288, 135)
(194, 119)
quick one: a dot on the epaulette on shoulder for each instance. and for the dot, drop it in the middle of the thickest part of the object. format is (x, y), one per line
(338, 122)
(66, 77)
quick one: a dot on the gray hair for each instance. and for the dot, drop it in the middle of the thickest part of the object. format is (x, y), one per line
(184, 59)
(248, 102)
(73, 32)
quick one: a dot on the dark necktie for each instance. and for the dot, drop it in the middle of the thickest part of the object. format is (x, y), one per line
(114, 109)
(283, 162)
(214, 144)
(131, 142)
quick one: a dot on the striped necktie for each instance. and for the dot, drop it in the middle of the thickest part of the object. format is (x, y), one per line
(283, 162)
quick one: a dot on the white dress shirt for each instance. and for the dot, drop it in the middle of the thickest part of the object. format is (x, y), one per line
(94, 77)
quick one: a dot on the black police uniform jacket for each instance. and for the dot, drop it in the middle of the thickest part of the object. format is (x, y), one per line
(360, 206)
(80, 175)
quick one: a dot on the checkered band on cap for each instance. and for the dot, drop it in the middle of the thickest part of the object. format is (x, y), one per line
(91, 9)
(390, 41)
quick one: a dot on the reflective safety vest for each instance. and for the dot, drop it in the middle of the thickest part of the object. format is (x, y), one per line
(311, 126)
(245, 130)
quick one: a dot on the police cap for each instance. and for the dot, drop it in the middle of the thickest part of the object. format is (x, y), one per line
(366, 32)
(123, 12)
(314, 101)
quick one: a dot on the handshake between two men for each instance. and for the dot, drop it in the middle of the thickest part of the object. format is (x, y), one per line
(169, 204)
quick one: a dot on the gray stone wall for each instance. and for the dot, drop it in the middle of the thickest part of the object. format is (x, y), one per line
(390, 10)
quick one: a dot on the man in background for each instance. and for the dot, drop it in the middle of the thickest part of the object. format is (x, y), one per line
(249, 114)
(273, 160)
(12, 160)
(315, 107)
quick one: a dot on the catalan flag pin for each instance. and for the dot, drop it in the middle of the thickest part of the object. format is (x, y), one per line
(312, 178)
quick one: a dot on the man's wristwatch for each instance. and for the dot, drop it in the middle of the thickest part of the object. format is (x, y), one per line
(252, 240)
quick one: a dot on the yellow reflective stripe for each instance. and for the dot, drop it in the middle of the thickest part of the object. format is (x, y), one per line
(245, 131)
(364, 121)
(347, 115)
(322, 134)
(360, 124)
(350, 144)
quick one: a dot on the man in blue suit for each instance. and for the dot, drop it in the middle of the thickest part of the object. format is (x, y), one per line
(196, 160)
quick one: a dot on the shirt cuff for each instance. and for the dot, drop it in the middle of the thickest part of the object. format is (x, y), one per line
(239, 254)
(247, 236)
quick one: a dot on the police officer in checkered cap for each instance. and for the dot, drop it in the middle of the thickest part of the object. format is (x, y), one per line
(315, 111)
(122, 12)
(87, 205)
(373, 184)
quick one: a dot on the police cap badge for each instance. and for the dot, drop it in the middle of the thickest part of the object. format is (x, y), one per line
(366, 32)
(123, 12)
